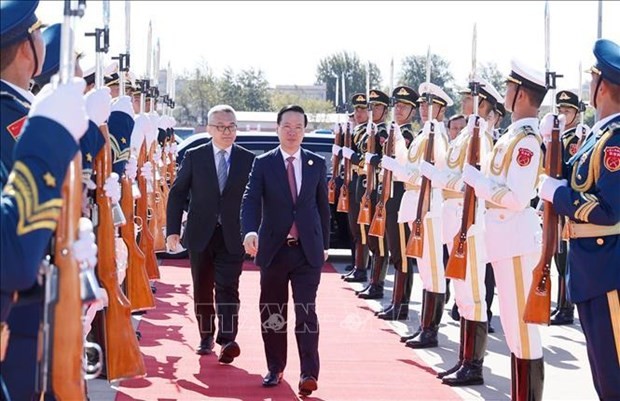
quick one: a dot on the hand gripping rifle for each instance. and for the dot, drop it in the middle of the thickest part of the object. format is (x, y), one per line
(331, 186)
(377, 227)
(457, 263)
(59, 366)
(123, 357)
(415, 245)
(137, 285)
(343, 198)
(537, 309)
(365, 214)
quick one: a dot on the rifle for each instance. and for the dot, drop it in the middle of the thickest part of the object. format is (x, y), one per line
(456, 267)
(377, 227)
(415, 245)
(123, 357)
(343, 198)
(365, 214)
(538, 306)
(331, 186)
(137, 284)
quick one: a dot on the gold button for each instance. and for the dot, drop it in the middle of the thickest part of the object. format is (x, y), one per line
(600, 241)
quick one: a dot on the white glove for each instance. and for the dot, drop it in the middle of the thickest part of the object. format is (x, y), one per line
(427, 127)
(121, 254)
(347, 153)
(142, 125)
(368, 157)
(151, 134)
(131, 168)
(427, 170)
(93, 308)
(398, 135)
(389, 163)
(85, 247)
(147, 174)
(336, 149)
(471, 175)
(123, 104)
(98, 105)
(112, 188)
(157, 155)
(548, 186)
(582, 130)
(173, 149)
(65, 105)
(471, 123)
(546, 125)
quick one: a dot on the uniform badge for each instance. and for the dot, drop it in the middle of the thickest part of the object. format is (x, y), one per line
(572, 149)
(310, 162)
(564, 96)
(524, 157)
(15, 128)
(612, 158)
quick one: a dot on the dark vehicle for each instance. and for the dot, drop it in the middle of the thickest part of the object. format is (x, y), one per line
(261, 142)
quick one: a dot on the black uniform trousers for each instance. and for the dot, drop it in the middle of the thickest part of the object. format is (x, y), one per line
(290, 264)
(216, 268)
(397, 236)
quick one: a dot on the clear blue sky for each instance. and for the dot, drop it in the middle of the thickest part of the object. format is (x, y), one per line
(287, 39)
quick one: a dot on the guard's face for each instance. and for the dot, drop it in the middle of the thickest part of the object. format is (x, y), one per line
(456, 126)
(569, 112)
(223, 129)
(291, 131)
(360, 115)
(511, 91)
(467, 105)
(403, 112)
(114, 91)
(39, 47)
(378, 112)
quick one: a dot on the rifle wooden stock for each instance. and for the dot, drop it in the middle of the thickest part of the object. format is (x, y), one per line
(155, 202)
(365, 214)
(68, 333)
(456, 267)
(415, 245)
(343, 198)
(331, 186)
(377, 227)
(146, 238)
(137, 280)
(538, 306)
(123, 357)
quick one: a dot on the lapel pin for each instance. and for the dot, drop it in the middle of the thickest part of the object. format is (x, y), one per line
(310, 162)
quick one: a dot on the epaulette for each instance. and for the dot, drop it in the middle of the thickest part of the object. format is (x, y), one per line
(528, 130)
(11, 96)
(614, 128)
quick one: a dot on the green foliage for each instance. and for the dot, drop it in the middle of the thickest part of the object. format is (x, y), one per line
(494, 76)
(314, 108)
(330, 70)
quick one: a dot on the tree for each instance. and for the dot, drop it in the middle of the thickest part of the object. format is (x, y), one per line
(314, 108)
(331, 69)
(492, 74)
(413, 73)
(253, 90)
(198, 94)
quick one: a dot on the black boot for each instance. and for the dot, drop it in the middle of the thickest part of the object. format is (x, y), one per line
(385, 310)
(356, 276)
(456, 367)
(431, 317)
(361, 260)
(470, 373)
(565, 313)
(530, 379)
(397, 311)
(513, 377)
(404, 339)
(375, 291)
(365, 289)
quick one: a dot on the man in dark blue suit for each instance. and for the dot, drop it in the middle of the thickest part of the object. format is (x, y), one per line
(591, 202)
(285, 222)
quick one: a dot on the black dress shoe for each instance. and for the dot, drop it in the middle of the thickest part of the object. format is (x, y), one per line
(404, 339)
(358, 276)
(229, 352)
(565, 316)
(272, 379)
(348, 268)
(205, 347)
(307, 384)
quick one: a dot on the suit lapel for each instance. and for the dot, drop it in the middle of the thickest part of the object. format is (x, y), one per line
(211, 172)
(306, 172)
(279, 171)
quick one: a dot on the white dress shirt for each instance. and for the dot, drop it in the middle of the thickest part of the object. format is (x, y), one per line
(296, 165)
(26, 94)
(216, 156)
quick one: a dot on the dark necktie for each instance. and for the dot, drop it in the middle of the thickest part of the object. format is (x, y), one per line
(222, 170)
(290, 172)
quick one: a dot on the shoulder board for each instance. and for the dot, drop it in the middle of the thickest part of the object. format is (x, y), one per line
(614, 128)
(8, 95)
(527, 130)
(569, 133)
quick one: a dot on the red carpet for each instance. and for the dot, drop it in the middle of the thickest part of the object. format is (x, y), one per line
(361, 359)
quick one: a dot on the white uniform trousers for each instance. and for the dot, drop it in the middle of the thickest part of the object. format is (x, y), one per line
(513, 278)
(430, 265)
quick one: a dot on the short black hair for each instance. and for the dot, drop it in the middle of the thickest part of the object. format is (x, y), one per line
(455, 117)
(295, 108)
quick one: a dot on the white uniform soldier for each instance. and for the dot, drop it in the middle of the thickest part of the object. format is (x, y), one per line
(470, 293)
(512, 227)
(406, 169)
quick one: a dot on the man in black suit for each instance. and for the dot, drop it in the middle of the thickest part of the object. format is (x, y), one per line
(285, 210)
(214, 176)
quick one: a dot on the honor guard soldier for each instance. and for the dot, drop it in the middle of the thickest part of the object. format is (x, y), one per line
(355, 154)
(378, 104)
(591, 202)
(512, 226)
(405, 105)
(568, 106)
(470, 295)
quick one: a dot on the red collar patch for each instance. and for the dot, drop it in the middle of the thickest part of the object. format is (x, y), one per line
(572, 149)
(612, 158)
(15, 128)
(524, 157)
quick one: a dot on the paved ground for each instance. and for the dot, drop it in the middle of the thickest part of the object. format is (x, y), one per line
(567, 372)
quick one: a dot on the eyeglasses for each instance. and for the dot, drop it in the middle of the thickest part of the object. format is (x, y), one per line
(223, 128)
